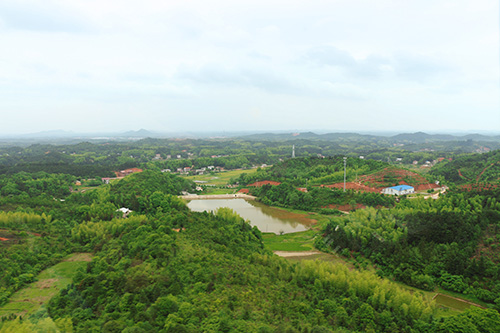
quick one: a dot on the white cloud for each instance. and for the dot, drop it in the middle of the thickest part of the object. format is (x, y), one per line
(287, 59)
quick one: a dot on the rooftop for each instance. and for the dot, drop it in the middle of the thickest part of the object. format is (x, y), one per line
(402, 187)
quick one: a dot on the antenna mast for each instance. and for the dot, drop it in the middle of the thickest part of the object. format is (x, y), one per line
(345, 161)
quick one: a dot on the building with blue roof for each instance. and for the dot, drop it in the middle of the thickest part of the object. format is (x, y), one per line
(399, 190)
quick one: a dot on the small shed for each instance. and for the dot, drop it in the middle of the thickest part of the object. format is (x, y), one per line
(125, 211)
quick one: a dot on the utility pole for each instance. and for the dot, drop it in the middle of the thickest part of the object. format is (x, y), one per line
(345, 161)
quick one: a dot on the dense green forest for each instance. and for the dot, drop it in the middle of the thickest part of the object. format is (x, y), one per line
(164, 268)
(425, 243)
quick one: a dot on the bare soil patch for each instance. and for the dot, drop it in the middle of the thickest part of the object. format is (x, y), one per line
(80, 257)
(295, 254)
(45, 284)
(386, 178)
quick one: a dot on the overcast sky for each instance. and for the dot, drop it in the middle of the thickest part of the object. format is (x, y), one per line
(365, 65)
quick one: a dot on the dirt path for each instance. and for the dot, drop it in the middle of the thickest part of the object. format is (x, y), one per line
(217, 196)
(285, 254)
(460, 174)
(479, 176)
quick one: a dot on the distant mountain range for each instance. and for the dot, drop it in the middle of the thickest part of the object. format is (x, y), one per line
(419, 137)
(404, 138)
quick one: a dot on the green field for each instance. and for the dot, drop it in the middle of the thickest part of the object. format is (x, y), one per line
(216, 191)
(296, 241)
(30, 299)
(220, 178)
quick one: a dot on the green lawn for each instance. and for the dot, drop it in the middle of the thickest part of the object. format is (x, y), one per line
(215, 191)
(31, 298)
(220, 178)
(296, 241)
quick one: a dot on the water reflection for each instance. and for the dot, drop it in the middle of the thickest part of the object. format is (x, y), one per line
(267, 219)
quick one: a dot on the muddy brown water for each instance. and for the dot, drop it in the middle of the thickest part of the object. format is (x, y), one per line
(267, 219)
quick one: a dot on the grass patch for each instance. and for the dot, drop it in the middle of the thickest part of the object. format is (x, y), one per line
(323, 257)
(452, 302)
(48, 283)
(220, 178)
(469, 298)
(215, 191)
(296, 241)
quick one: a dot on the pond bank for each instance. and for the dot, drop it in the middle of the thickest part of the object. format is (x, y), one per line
(296, 254)
(217, 196)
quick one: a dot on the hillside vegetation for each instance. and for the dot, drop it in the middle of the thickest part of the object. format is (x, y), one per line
(477, 169)
(164, 268)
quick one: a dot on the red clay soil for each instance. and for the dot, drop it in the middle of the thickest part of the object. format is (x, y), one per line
(460, 174)
(417, 181)
(478, 187)
(421, 183)
(353, 186)
(424, 187)
(479, 176)
(244, 191)
(3, 239)
(126, 172)
(264, 182)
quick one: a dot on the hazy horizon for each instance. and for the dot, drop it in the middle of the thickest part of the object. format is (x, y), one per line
(207, 134)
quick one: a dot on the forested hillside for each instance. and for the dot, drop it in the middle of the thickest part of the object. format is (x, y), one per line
(429, 243)
(164, 268)
(212, 275)
(100, 158)
(477, 169)
(313, 183)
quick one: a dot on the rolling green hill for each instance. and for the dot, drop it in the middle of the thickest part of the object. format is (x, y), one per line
(471, 169)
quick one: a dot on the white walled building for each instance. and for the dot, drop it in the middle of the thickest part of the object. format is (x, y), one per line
(398, 190)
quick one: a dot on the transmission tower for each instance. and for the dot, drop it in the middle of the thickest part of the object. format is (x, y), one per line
(345, 162)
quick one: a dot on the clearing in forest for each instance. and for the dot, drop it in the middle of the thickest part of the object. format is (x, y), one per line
(48, 283)
(387, 177)
(220, 178)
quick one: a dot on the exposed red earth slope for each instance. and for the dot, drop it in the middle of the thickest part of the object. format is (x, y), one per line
(376, 182)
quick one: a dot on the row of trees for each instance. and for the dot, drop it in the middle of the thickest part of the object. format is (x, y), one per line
(317, 198)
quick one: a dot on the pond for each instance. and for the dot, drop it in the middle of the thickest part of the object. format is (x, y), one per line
(267, 219)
